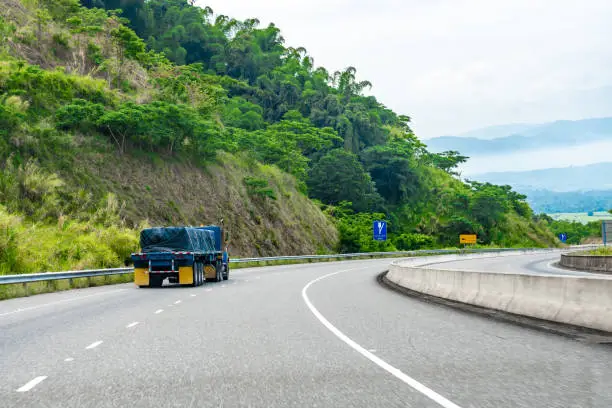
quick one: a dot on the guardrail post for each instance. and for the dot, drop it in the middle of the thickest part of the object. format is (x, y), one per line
(88, 281)
(25, 288)
(71, 283)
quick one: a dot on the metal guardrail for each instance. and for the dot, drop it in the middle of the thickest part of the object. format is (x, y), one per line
(51, 276)
(372, 254)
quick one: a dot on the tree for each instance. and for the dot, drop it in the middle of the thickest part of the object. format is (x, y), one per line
(447, 161)
(393, 169)
(347, 84)
(488, 207)
(338, 176)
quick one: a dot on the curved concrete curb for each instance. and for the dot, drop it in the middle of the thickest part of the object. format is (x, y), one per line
(590, 263)
(572, 300)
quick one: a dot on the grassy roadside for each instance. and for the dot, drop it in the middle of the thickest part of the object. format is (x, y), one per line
(602, 251)
(35, 288)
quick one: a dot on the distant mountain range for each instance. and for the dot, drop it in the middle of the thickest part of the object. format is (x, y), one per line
(495, 132)
(516, 137)
(580, 178)
(552, 190)
(561, 190)
(544, 201)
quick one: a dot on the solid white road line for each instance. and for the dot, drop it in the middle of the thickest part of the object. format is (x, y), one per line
(60, 301)
(93, 345)
(429, 393)
(33, 383)
(131, 325)
(158, 311)
(177, 302)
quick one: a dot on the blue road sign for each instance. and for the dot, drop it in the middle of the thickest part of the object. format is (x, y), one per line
(563, 237)
(380, 230)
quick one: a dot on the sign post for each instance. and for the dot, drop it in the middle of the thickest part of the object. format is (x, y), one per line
(380, 230)
(606, 231)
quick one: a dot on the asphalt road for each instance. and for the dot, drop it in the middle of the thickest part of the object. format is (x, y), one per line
(319, 335)
(543, 263)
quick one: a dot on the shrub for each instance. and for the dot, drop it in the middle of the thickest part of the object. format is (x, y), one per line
(408, 242)
(259, 187)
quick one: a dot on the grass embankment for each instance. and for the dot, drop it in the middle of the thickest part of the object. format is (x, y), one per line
(27, 247)
(603, 251)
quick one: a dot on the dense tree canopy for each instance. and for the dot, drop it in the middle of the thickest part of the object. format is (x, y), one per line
(168, 77)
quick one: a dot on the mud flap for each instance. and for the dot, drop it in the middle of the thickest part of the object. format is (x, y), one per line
(141, 277)
(185, 275)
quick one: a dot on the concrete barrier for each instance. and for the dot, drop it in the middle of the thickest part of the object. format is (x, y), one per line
(575, 300)
(591, 263)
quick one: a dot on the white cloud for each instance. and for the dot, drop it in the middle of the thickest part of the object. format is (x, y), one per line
(455, 65)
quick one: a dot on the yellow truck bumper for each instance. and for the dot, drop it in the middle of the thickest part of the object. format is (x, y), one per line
(185, 275)
(141, 276)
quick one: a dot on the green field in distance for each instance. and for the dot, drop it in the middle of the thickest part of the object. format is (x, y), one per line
(583, 218)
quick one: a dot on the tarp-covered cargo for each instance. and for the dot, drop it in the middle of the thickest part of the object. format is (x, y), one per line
(217, 235)
(175, 239)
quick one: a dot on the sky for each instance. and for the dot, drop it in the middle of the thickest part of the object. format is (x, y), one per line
(457, 65)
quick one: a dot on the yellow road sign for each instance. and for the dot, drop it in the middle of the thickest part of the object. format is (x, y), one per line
(467, 239)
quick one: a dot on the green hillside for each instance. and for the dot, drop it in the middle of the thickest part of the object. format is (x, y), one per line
(160, 112)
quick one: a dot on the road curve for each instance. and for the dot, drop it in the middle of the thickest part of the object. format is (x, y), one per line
(324, 335)
(536, 263)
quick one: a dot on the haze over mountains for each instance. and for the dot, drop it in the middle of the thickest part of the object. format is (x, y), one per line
(580, 178)
(511, 138)
(562, 166)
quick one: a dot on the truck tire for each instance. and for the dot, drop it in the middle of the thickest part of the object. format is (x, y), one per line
(196, 274)
(226, 271)
(219, 269)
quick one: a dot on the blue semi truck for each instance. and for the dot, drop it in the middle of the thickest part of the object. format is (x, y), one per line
(184, 255)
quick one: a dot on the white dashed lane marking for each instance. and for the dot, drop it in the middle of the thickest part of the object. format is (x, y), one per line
(158, 311)
(131, 325)
(93, 345)
(31, 384)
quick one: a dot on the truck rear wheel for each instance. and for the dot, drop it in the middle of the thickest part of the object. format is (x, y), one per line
(219, 270)
(226, 271)
(196, 274)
